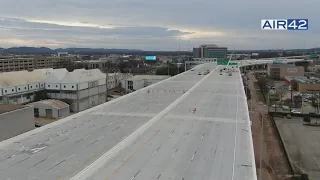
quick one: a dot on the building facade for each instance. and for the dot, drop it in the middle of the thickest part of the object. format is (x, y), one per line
(210, 51)
(196, 52)
(115, 80)
(140, 81)
(29, 63)
(21, 87)
(280, 71)
(15, 120)
(50, 108)
(81, 89)
(306, 84)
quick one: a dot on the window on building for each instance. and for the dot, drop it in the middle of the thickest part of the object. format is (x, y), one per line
(48, 85)
(36, 85)
(25, 87)
(12, 90)
(5, 91)
(56, 85)
(31, 87)
(72, 86)
(64, 86)
(130, 85)
(36, 112)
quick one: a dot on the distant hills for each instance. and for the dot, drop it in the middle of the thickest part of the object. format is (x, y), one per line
(45, 50)
(92, 51)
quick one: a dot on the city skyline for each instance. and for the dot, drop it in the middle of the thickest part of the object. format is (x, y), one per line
(148, 25)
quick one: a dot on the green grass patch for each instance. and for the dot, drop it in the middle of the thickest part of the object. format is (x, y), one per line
(256, 85)
(261, 96)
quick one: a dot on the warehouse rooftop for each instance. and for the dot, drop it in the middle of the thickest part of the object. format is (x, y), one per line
(4, 108)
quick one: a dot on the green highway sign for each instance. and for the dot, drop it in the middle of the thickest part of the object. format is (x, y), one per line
(225, 62)
(314, 55)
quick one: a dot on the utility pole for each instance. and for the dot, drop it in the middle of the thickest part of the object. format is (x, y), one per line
(179, 58)
(106, 85)
(301, 104)
(168, 67)
(291, 96)
(261, 145)
(268, 100)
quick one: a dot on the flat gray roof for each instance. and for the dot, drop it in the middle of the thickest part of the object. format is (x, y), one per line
(189, 126)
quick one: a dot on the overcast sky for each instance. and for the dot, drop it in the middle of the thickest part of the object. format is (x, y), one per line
(155, 25)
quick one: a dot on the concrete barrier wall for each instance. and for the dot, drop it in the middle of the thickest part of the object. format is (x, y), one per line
(16, 122)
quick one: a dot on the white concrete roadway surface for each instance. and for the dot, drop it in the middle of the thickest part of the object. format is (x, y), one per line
(153, 133)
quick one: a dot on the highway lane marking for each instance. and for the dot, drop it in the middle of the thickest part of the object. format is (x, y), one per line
(75, 166)
(57, 132)
(52, 155)
(57, 164)
(171, 133)
(135, 175)
(132, 155)
(208, 119)
(193, 157)
(156, 151)
(235, 134)
(21, 161)
(98, 163)
(159, 176)
(174, 154)
(20, 146)
(186, 135)
(107, 125)
(43, 160)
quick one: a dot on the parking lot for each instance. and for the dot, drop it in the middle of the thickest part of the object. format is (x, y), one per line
(282, 88)
(302, 144)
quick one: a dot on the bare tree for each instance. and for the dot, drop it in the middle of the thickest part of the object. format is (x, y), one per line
(281, 92)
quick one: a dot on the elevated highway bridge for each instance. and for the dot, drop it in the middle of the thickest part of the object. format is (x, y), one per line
(187, 127)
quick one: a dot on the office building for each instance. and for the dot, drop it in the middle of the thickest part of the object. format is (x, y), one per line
(210, 51)
(29, 63)
(196, 53)
(279, 71)
(304, 84)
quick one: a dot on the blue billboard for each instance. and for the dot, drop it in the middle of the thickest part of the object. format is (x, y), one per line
(151, 58)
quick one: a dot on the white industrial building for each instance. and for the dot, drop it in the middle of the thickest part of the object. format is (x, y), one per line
(20, 87)
(15, 120)
(51, 108)
(81, 89)
(140, 81)
(114, 80)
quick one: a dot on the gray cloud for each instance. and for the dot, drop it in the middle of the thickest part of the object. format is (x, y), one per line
(155, 24)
